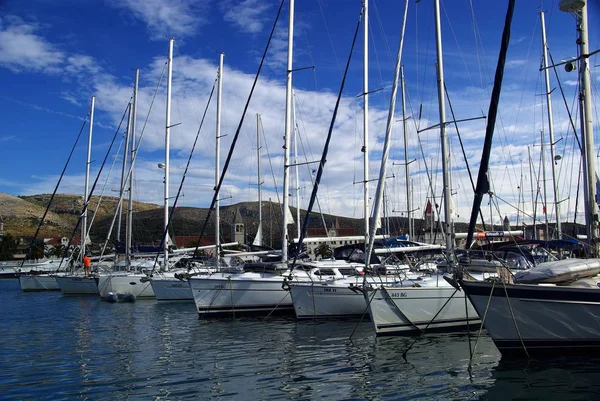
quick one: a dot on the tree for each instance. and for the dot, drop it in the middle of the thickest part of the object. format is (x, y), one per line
(324, 251)
(8, 247)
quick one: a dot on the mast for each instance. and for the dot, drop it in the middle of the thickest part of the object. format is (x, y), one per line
(550, 128)
(296, 165)
(587, 128)
(123, 170)
(218, 159)
(379, 195)
(365, 147)
(129, 221)
(87, 178)
(544, 192)
(259, 183)
(288, 128)
(167, 147)
(411, 233)
(483, 184)
(449, 226)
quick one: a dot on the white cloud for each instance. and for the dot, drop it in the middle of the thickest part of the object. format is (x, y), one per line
(164, 19)
(246, 15)
(23, 49)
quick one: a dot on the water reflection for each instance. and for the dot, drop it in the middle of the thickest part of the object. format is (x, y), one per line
(558, 378)
(64, 348)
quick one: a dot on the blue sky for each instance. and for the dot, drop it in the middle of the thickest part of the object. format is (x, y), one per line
(55, 55)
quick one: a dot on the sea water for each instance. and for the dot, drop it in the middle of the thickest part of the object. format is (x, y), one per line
(54, 347)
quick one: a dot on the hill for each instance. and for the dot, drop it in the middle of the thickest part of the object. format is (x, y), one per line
(21, 216)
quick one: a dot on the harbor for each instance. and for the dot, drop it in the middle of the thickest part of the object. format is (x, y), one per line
(82, 348)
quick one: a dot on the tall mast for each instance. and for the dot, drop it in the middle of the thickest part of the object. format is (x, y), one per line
(449, 229)
(550, 128)
(587, 128)
(129, 223)
(218, 158)
(167, 148)
(296, 166)
(544, 191)
(87, 178)
(259, 183)
(379, 202)
(411, 234)
(288, 129)
(123, 171)
(365, 147)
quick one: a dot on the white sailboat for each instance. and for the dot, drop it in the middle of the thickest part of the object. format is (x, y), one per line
(549, 319)
(342, 297)
(168, 284)
(259, 288)
(76, 282)
(52, 281)
(432, 303)
(134, 278)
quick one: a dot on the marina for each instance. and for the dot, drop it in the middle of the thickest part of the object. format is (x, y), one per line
(82, 348)
(173, 301)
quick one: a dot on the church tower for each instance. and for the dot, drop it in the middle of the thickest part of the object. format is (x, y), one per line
(239, 229)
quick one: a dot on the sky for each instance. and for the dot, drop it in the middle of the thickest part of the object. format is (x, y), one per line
(55, 55)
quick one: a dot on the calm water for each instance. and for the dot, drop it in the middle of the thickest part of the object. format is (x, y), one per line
(60, 348)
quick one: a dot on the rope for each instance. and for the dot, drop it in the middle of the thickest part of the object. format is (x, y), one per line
(365, 311)
(512, 314)
(428, 324)
(482, 322)
(276, 306)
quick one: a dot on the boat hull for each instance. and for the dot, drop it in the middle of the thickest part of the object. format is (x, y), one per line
(38, 282)
(244, 294)
(78, 285)
(322, 300)
(171, 289)
(541, 319)
(409, 310)
(126, 283)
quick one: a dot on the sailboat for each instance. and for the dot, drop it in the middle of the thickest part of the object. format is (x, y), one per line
(77, 283)
(130, 275)
(53, 281)
(432, 303)
(342, 296)
(549, 319)
(258, 289)
(170, 284)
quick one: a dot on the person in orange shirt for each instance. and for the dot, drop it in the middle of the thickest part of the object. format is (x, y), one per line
(87, 263)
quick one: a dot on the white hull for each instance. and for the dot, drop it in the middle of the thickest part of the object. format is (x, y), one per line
(335, 298)
(323, 300)
(245, 293)
(405, 310)
(38, 282)
(78, 285)
(169, 288)
(550, 319)
(125, 283)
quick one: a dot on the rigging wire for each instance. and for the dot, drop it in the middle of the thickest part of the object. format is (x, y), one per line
(187, 166)
(326, 147)
(134, 158)
(89, 196)
(237, 132)
(37, 231)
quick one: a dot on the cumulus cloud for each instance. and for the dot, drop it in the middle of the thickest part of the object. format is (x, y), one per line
(247, 15)
(22, 48)
(164, 19)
